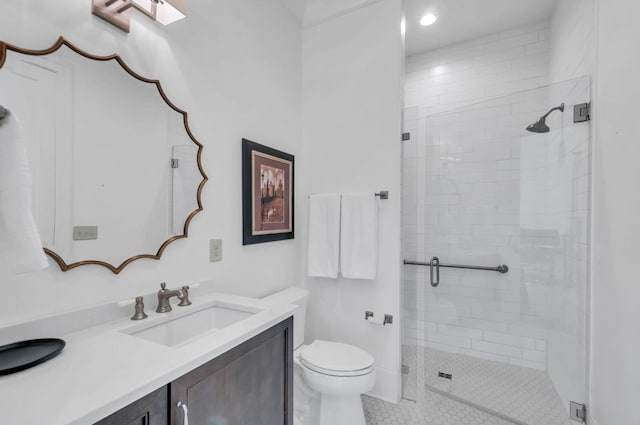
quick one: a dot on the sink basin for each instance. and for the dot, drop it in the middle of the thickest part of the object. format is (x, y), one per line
(176, 331)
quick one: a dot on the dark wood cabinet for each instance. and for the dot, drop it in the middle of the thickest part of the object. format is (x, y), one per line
(149, 410)
(251, 384)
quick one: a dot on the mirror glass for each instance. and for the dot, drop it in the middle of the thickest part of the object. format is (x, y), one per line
(116, 172)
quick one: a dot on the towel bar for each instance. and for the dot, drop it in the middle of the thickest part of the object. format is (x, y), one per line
(383, 194)
(434, 268)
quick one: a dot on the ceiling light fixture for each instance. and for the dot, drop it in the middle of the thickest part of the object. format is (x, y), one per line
(428, 19)
(118, 12)
(164, 11)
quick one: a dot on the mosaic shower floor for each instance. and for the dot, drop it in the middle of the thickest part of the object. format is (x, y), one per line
(432, 409)
(516, 395)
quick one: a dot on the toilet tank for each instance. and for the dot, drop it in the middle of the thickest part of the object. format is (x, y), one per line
(299, 297)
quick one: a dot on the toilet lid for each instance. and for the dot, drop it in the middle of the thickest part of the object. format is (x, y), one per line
(335, 358)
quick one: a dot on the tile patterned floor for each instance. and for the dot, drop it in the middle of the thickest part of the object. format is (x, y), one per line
(525, 396)
(431, 409)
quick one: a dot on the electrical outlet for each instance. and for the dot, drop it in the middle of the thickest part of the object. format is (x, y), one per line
(215, 250)
(85, 233)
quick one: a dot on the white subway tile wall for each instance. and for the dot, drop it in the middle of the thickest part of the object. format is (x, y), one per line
(479, 69)
(479, 189)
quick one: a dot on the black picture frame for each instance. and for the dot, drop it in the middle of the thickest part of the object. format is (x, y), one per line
(267, 194)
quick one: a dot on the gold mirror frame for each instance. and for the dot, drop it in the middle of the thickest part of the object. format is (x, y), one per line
(4, 47)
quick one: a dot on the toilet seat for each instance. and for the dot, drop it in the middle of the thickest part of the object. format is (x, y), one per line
(336, 359)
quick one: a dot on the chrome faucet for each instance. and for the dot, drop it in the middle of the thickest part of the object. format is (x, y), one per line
(164, 295)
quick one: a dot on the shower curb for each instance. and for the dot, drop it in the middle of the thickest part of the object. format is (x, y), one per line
(474, 405)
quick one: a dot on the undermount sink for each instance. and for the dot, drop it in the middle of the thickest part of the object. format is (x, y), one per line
(178, 330)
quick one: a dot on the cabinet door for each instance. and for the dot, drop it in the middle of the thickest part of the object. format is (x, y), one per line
(251, 384)
(149, 410)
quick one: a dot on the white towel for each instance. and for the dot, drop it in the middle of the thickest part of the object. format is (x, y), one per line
(324, 235)
(359, 236)
(20, 245)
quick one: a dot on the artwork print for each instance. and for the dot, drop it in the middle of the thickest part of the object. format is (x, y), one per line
(267, 194)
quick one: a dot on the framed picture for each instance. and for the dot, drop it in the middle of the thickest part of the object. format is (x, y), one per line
(267, 194)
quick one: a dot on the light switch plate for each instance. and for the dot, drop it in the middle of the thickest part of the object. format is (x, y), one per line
(85, 233)
(215, 250)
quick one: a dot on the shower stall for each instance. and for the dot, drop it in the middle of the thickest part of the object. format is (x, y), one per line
(496, 246)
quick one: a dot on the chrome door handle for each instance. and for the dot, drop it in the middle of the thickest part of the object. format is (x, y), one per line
(185, 412)
(434, 264)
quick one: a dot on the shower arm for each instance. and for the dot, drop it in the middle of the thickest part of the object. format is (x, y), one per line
(557, 108)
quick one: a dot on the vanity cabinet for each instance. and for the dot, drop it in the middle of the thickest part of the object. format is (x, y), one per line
(149, 410)
(251, 384)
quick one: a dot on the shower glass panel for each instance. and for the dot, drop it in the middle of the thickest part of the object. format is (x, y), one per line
(487, 192)
(409, 239)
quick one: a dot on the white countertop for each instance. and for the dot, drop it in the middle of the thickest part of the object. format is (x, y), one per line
(102, 369)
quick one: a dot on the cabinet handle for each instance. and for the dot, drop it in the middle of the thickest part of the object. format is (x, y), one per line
(185, 413)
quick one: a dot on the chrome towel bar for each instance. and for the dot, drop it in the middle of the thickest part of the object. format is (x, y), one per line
(383, 194)
(435, 264)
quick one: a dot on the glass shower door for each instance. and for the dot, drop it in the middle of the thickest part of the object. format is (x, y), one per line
(487, 193)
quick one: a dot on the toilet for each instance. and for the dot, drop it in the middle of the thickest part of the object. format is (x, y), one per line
(331, 374)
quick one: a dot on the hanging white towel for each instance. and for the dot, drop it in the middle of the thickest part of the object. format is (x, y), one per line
(359, 236)
(20, 245)
(324, 235)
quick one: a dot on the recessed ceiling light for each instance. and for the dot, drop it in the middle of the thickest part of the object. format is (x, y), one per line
(428, 19)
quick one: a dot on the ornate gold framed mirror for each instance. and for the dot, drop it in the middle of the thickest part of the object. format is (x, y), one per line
(117, 172)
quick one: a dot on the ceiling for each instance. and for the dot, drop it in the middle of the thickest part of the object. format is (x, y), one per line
(460, 20)
(312, 12)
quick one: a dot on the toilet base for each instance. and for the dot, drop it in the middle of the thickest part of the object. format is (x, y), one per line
(341, 410)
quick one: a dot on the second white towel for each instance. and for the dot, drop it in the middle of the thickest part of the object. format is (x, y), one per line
(359, 236)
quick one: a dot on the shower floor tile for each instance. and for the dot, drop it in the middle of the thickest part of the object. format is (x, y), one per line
(478, 388)
(430, 409)
(522, 394)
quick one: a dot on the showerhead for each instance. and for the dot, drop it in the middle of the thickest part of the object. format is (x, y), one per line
(541, 126)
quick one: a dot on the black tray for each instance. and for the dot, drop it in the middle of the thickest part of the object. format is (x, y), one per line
(25, 354)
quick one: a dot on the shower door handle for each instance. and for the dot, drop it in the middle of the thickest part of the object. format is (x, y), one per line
(434, 271)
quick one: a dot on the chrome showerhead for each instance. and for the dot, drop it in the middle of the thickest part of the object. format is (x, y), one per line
(541, 126)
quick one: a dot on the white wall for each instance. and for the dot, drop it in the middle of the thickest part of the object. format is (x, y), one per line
(573, 37)
(615, 345)
(235, 66)
(352, 102)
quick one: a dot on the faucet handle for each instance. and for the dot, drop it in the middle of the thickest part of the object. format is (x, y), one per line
(163, 286)
(184, 297)
(139, 310)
